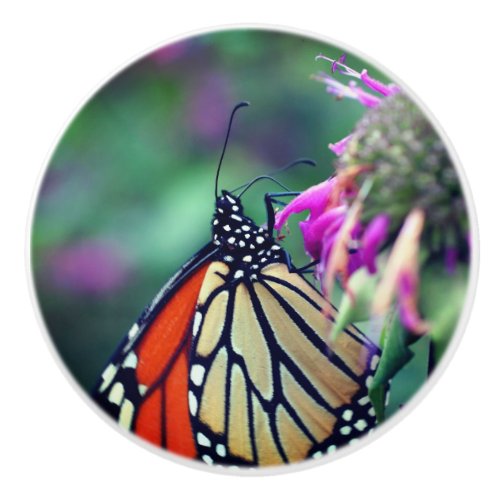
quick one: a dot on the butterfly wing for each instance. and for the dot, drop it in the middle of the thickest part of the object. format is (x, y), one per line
(264, 388)
(144, 386)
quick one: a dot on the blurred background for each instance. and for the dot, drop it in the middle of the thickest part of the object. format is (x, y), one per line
(128, 194)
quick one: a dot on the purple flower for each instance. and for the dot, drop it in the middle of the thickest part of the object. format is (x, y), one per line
(325, 216)
(92, 267)
(450, 259)
(352, 90)
(365, 98)
(328, 227)
(339, 147)
(373, 237)
(407, 300)
(401, 275)
(368, 81)
(348, 225)
(316, 230)
(377, 86)
(339, 257)
(206, 108)
(315, 199)
(169, 53)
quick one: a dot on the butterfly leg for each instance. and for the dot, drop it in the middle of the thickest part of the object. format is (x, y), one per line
(271, 198)
(308, 268)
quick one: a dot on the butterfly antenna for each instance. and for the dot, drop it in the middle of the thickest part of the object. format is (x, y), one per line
(259, 178)
(238, 106)
(299, 161)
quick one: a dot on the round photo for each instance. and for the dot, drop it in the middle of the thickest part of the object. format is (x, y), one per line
(252, 248)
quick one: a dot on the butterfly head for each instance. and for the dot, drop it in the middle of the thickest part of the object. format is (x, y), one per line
(228, 220)
(227, 205)
(235, 232)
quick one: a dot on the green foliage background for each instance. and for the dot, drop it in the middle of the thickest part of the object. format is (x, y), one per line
(135, 172)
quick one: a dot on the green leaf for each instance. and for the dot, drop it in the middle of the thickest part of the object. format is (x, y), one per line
(362, 287)
(410, 378)
(395, 355)
(442, 297)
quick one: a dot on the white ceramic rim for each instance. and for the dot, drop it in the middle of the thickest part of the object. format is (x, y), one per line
(379, 430)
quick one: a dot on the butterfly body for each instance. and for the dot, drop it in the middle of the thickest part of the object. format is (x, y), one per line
(229, 362)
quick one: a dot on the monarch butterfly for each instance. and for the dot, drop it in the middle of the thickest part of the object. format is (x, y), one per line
(228, 363)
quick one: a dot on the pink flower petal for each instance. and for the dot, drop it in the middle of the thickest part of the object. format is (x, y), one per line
(403, 256)
(379, 87)
(366, 99)
(336, 257)
(339, 147)
(373, 237)
(314, 231)
(451, 258)
(407, 298)
(315, 199)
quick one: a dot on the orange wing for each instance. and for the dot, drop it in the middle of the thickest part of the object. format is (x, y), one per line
(145, 386)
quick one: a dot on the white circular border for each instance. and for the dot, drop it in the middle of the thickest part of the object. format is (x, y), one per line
(380, 429)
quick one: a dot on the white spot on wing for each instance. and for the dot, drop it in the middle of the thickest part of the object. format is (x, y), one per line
(142, 389)
(239, 274)
(347, 415)
(247, 258)
(374, 362)
(107, 376)
(116, 393)
(193, 403)
(346, 430)
(130, 361)
(207, 459)
(361, 425)
(133, 331)
(197, 322)
(203, 440)
(220, 449)
(197, 374)
(231, 240)
(236, 217)
(126, 414)
(259, 240)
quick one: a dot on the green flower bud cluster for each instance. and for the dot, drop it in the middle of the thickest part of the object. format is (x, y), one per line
(409, 166)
